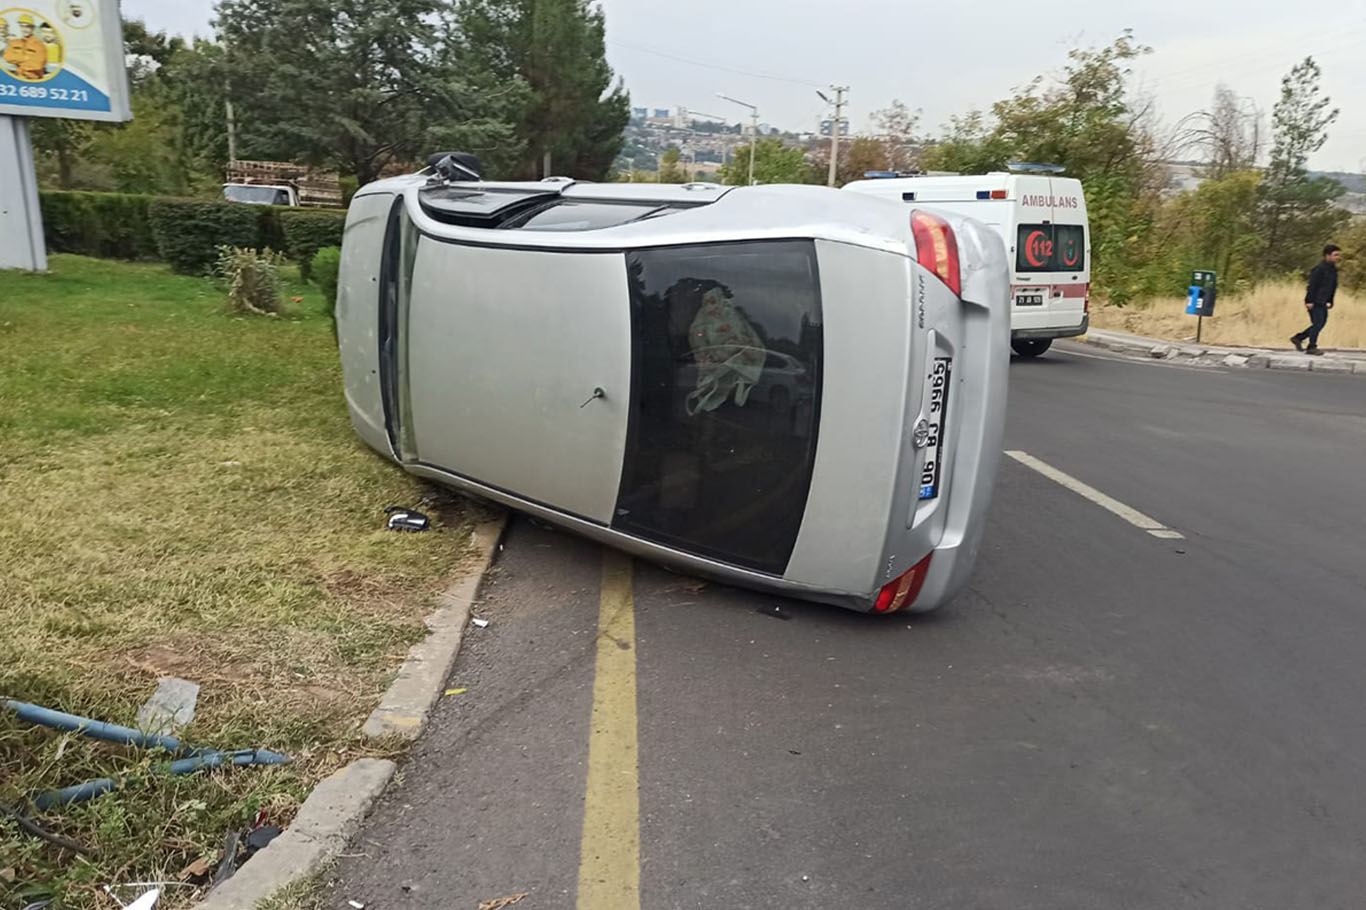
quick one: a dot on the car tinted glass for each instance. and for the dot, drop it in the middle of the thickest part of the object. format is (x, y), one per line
(583, 216)
(725, 398)
(1050, 248)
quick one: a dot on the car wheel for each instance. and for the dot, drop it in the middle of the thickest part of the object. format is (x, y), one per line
(1031, 347)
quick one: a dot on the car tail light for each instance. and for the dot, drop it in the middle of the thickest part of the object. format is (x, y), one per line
(936, 248)
(897, 594)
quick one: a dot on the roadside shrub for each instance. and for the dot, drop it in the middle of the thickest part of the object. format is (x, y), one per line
(325, 267)
(307, 231)
(104, 225)
(271, 233)
(252, 278)
(189, 233)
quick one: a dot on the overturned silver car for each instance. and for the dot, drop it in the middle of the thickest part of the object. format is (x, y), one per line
(786, 388)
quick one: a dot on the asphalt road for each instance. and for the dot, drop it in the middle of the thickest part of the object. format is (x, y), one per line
(1104, 719)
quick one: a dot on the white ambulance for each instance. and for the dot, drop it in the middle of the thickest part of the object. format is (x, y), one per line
(1042, 220)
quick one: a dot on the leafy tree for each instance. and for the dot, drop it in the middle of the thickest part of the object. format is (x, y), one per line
(773, 163)
(1210, 227)
(1296, 210)
(669, 171)
(571, 119)
(860, 156)
(1229, 133)
(361, 84)
(898, 126)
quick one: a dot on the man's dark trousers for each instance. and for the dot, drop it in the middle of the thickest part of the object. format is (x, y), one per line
(1318, 317)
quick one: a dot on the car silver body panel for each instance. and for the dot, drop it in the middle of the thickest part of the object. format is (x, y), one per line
(542, 318)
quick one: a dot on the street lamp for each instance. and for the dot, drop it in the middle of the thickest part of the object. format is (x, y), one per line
(754, 129)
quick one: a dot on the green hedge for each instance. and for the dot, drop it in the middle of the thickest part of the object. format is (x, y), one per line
(188, 232)
(105, 225)
(308, 230)
(184, 232)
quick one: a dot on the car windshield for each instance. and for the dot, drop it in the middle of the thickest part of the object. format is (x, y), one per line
(256, 195)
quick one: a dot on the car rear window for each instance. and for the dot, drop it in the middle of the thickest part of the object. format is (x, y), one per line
(1050, 248)
(725, 398)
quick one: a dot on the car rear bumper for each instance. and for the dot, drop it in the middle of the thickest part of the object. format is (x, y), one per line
(1053, 331)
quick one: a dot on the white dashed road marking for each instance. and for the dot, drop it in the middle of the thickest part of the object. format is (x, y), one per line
(1108, 503)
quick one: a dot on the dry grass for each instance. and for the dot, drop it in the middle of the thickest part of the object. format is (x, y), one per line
(183, 495)
(1266, 317)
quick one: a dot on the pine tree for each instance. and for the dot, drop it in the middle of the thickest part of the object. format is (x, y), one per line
(1296, 210)
(359, 84)
(572, 117)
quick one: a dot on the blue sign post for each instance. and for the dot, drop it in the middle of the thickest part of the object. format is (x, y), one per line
(1200, 298)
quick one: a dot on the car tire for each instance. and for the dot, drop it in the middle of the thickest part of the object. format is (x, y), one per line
(1031, 347)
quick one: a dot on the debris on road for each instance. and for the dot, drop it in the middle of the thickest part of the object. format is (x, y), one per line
(357, 904)
(480, 623)
(28, 826)
(501, 902)
(402, 518)
(260, 838)
(197, 869)
(456, 691)
(775, 611)
(196, 758)
(228, 864)
(171, 706)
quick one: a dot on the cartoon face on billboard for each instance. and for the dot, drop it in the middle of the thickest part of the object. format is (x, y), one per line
(31, 47)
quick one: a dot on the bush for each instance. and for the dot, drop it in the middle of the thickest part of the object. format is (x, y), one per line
(253, 278)
(325, 267)
(307, 231)
(271, 233)
(189, 233)
(104, 225)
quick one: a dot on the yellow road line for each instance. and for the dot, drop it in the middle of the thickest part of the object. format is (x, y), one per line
(609, 857)
(1108, 503)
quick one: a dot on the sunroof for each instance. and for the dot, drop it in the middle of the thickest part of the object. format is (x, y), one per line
(477, 207)
(572, 215)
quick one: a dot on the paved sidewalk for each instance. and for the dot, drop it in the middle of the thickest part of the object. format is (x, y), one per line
(1351, 361)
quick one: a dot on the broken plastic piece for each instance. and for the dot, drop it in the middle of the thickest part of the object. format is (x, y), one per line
(147, 901)
(402, 518)
(456, 691)
(260, 838)
(481, 623)
(357, 904)
(501, 902)
(170, 707)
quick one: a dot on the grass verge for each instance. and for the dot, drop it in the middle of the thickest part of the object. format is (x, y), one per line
(184, 496)
(1266, 317)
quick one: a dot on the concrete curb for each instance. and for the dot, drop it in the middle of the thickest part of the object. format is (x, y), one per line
(1204, 355)
(333, 812)
(326, 821)
(404, 708)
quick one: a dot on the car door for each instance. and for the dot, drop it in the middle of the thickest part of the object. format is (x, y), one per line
(519, 371)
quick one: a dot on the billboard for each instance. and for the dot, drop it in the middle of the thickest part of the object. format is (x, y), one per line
(828, 127)
(62, 58)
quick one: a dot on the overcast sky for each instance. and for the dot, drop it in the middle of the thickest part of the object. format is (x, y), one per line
(952, 57)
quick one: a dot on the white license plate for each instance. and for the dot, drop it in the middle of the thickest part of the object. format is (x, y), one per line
(938, 411)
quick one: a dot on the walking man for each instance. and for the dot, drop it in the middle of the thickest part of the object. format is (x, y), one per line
(1318, 299)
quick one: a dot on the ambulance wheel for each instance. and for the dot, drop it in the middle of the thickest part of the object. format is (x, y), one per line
(1031, 347)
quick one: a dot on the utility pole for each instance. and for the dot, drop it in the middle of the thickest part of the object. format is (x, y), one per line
(753, 132)
(232, 131)
(839, 91)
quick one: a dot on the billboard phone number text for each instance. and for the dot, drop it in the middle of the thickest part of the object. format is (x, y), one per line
(40, 91)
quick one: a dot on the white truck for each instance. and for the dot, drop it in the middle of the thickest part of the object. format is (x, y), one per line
(281, 183)
(1042, 220)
